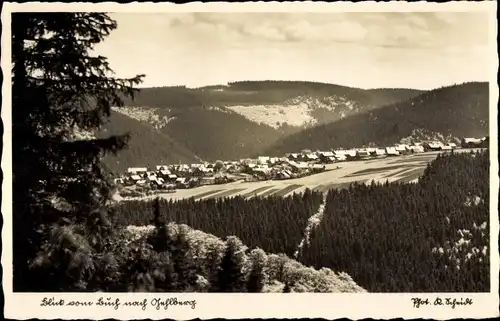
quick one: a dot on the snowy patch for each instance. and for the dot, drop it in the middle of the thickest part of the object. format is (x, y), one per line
(296, 111)
(312, 223)
(145, 114)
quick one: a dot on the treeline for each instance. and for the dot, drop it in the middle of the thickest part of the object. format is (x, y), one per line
(262, 92)
(274, 224)
(460, 110)
(427, 237)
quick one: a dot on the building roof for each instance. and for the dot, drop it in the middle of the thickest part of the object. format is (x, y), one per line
(473, 140)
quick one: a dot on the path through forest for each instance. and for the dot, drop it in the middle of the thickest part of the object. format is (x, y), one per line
(312, 223)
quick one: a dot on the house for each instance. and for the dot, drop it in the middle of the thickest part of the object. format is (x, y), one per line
(391, 151)
(207, 180)
(380, 152)
(310, 157)
(371, 151)
(164, 172)
(273, 160)
(351, 154)
(283, 175)
(340, 155)
(157, 183)
(417, 149)
(432, 146)
(181, 181)
(299, 166)
(136, 170)
(475, 142)
(453, 145)
(135, 178)
(326, 157)
(362, 153)
(403, 149)
(172, 177)
(161, 167)
(294, 156)
(263, 159)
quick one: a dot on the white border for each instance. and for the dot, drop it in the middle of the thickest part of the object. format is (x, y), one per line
(355, 306)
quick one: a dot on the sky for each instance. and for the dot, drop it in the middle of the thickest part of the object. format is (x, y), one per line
(421, 50)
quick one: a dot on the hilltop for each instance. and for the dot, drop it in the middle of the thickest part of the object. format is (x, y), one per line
(454, 112)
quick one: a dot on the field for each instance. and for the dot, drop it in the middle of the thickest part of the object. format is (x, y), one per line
(404, 168)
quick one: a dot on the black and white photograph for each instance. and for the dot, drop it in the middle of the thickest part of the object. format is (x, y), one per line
(169, 150)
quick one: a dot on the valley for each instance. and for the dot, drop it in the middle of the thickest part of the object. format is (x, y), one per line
(248, 119)
(404, 168)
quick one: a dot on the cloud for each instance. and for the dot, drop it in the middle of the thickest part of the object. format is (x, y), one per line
(204, 48)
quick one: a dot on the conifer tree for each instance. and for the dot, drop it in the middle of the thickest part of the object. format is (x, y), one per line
(255, 279)
(60, 94)
(183, 262)
(229, 277)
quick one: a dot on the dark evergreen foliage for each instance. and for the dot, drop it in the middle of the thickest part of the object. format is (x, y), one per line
(384, 235)
(229, 276)
(255, 281)
(274, 224)
(59, 184)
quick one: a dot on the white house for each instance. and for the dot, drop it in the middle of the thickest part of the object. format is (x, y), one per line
(379, 152)
(263, 159)
(135, 177)
(136, 170)
(402, 148)
(417, 148)
(391, 151)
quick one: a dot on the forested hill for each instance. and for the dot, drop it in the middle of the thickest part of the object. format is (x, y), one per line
(147, 146)
(237, 120)
(459, 110)
(273, 103)
(263, 92)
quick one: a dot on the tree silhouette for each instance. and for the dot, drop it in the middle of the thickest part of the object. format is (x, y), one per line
(59, 93)
(229, 277)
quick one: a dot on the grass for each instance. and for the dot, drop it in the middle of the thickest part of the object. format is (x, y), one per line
(269, 192)
(287, 190)
(227, 193)
(403, 170)
(206, 193)
(377, 170)
(414, 174)
(256, 191)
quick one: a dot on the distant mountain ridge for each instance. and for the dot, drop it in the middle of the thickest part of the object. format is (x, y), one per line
(246, 119)
(454, 111)
(275, 103)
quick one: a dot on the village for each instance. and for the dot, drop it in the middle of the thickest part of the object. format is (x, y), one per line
(169, 178)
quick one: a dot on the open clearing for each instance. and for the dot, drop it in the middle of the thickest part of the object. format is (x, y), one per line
(404, 169)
